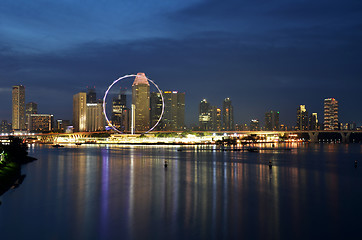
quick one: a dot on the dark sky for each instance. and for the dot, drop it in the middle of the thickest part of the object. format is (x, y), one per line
(264, 55)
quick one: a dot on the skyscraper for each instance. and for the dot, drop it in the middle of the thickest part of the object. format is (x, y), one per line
(31, 108)
(80, 112)
(180, 123)
(330, 114)
(272, 121)
(302, 118)
(227, 115)
(313, 122)
(18, 113)
(156, 110)
(215, 114)
(174, 115)
(120, 112)
(95, 120)
(204, 115)
(141, 102)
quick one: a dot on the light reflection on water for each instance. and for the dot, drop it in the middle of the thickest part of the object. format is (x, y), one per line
(108, 192)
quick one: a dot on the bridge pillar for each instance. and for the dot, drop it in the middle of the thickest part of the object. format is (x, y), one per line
(345, 137)
(313, 136)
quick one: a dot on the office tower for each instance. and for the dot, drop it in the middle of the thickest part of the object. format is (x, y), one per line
(313, 122)
(31, 108)
(330, 114)
(174, 114)
(215, 114)
(254, 125)
(91, 95)
(180, 123)
(80, 112)
(41, 122)
(204, 115)
(120, 112)
(156, 110)
(5, 127)
(141, 103)
(302, 118)
(18, 113)
(272, 121)
(227, 115)
(95, 120)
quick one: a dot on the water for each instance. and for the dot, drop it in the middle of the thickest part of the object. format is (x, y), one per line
(124, 192)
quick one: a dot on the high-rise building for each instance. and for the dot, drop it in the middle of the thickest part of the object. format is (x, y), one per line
(41, 122)
(313, 122)
(204, 115)
(330, 114)
(120, 112)
(18, 113)
(272, 121)
(254, 125)
(174, 115)
(156, 110)
(227, 115)
(5, 127)
(80, 112)
(141, 102)
(215, 114)
(302, 118)
(95, 120)
(31, 108)
(180, 123)
(91, 95)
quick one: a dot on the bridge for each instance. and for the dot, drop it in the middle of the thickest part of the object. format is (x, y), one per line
(313, 135)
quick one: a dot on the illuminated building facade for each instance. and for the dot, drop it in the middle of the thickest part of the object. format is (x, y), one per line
(272, 121)
(95, 120)
(204, 115)
(80, 112)
(313, 122)
(215, 114)
(227, 115)
(302, 118)
(41, 122)
(330, 114)
(156, 110)
(5, 127)
(31, 108)
(18, 111)
(120, 112)
(254, 125)
(141, 102)
(174, 114)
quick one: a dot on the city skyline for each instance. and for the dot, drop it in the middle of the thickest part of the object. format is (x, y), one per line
(304, 121)
(268, 55)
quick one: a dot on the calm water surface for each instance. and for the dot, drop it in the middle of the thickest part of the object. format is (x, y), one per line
(124, 192)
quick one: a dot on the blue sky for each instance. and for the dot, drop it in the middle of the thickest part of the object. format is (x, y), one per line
(264, 55)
